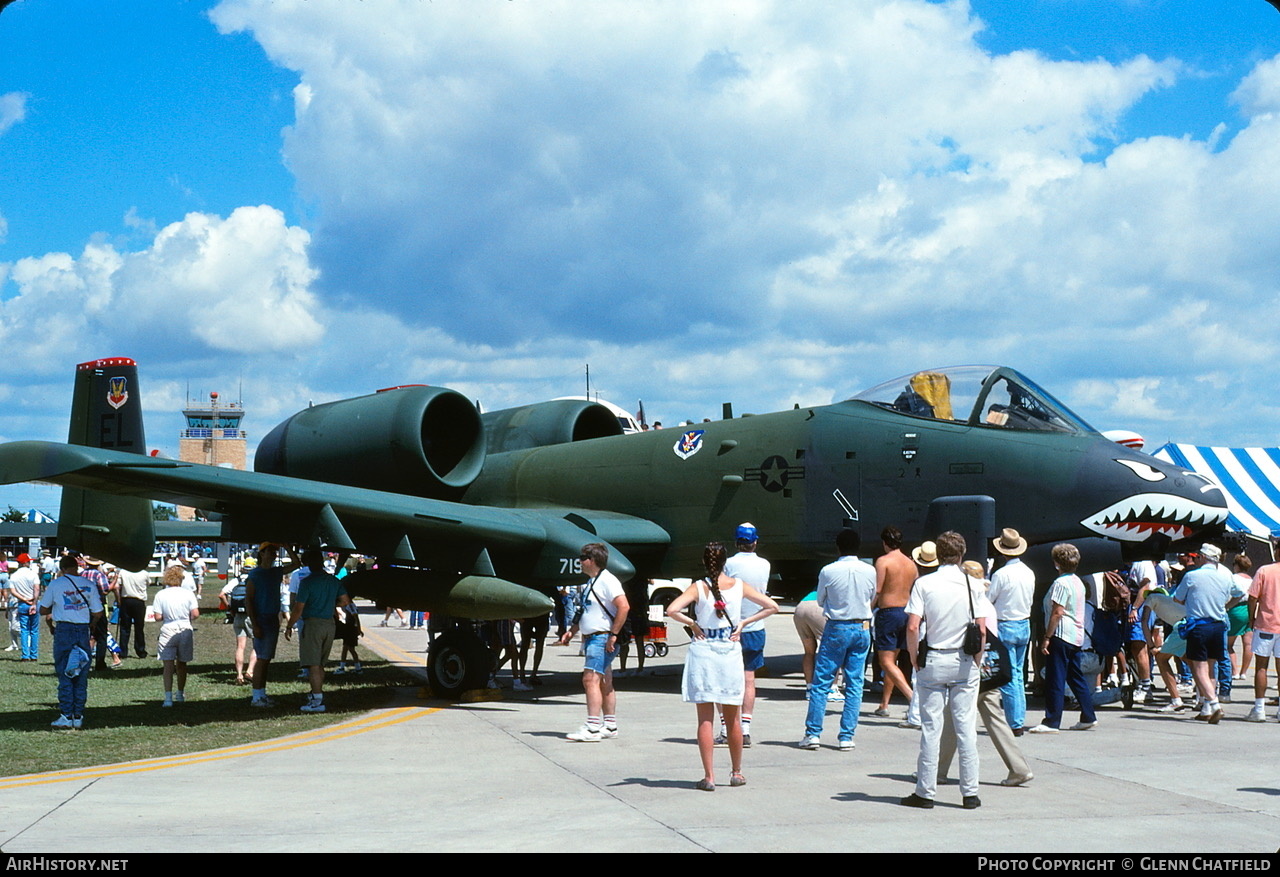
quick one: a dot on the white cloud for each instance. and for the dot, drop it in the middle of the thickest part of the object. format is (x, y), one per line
(13, 109)
(1259, 92)
(205, 284)
(735, 200)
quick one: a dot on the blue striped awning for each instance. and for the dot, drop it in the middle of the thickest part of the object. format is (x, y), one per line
(1250, 477)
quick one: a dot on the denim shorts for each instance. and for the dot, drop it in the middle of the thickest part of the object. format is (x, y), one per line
(597, 658)
(752, 649)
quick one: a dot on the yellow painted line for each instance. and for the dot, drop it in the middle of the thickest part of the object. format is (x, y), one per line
(392, 652)
(364, 724)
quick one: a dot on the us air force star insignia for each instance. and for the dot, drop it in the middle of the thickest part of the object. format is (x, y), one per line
(688, 444)
(117, 392)
(774, 473)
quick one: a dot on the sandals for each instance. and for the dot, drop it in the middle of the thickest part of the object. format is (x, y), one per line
(705, 785)
(737, 779)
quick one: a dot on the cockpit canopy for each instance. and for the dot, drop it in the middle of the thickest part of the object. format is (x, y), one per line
(979, 395)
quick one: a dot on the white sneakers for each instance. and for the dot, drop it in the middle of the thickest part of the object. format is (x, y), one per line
(62, 723)
(1041, 729)
(810, 742)
(588, 734)
(846, 745)
(1257, 714)
(1084, 726)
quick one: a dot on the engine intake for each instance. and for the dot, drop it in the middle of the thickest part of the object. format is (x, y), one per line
(424, 441)
(547, 423)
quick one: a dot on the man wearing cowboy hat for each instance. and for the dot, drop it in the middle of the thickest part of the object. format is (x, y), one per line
(1012, 589)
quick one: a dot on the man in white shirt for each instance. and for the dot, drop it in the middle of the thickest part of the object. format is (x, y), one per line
(754, 570)
(1012, 589)
(604, 609)
(24, 589)
(946, 602)
(133, 610)
(846, 589)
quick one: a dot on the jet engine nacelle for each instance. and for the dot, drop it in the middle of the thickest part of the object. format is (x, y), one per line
(424, 441)
(548, 423)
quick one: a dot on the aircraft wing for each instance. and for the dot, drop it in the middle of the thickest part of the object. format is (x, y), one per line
(537, 545)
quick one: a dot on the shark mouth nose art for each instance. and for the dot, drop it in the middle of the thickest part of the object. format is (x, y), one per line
(1137, 518)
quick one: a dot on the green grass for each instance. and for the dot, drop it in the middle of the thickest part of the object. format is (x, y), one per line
(124, 720)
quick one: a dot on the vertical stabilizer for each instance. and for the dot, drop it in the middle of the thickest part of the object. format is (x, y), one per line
(106, 412)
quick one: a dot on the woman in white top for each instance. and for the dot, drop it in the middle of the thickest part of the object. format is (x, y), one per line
(713, 672)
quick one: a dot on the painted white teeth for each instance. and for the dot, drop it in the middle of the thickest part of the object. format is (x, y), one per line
(1137, 517)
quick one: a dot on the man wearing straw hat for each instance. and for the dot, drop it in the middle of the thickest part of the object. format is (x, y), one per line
(1012, 590)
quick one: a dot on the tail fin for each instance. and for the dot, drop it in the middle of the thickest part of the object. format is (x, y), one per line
(106, 412)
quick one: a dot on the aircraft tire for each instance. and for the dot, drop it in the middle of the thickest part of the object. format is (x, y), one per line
(662, 650)
(650, 650)
(459, 662)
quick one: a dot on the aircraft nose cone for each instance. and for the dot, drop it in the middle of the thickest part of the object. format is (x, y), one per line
(1165, 501)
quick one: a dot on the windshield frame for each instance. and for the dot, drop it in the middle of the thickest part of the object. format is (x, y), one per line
(1061, 419)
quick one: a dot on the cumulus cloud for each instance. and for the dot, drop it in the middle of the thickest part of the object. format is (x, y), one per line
(205, 285)
(754, 201)
(661, 158)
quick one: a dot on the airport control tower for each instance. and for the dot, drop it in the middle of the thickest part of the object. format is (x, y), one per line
(213, 436)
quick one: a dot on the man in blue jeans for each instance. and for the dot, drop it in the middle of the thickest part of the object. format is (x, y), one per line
(70, 604)
(846, 589)
(1012, 589)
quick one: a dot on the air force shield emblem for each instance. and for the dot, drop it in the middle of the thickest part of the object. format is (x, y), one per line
(117, 392)
(689, 444)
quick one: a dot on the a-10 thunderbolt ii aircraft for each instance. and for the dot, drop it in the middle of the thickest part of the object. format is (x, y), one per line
(481, 515)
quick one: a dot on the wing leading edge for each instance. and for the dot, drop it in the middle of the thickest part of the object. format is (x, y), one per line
(538, 546)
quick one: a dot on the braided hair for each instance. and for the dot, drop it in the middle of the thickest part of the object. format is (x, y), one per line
(713, 558)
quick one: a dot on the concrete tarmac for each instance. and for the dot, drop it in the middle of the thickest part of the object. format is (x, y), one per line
(426, 775)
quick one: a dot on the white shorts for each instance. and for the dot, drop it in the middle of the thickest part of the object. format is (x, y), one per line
(1264, 644)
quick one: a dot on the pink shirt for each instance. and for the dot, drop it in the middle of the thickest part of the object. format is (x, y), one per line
(1266, 588)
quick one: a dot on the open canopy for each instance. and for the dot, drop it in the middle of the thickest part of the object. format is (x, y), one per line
(979, 395)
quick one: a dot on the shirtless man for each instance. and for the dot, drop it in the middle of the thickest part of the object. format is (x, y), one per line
(895, 574)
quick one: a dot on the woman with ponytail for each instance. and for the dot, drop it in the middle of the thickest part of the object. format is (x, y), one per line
(713, 671)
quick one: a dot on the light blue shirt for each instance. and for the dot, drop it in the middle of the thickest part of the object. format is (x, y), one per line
(1206, 592)
(846, 589)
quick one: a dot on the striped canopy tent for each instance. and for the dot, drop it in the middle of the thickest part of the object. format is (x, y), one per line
(1249, 476)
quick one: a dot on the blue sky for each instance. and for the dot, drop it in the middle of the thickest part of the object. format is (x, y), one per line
(759, 201)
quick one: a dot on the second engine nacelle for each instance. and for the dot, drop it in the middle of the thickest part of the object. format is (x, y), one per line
(547, 423)
(425, 441)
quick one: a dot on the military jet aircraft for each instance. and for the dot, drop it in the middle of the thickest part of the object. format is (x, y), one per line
(479, 515)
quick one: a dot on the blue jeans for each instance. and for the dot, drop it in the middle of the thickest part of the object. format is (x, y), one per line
(73, 692)
(29, 628)
(1062, 669)
(844, 644)
(1224, 667)
(1013, 694)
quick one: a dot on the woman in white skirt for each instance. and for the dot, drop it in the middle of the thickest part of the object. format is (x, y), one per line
(713, 672)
